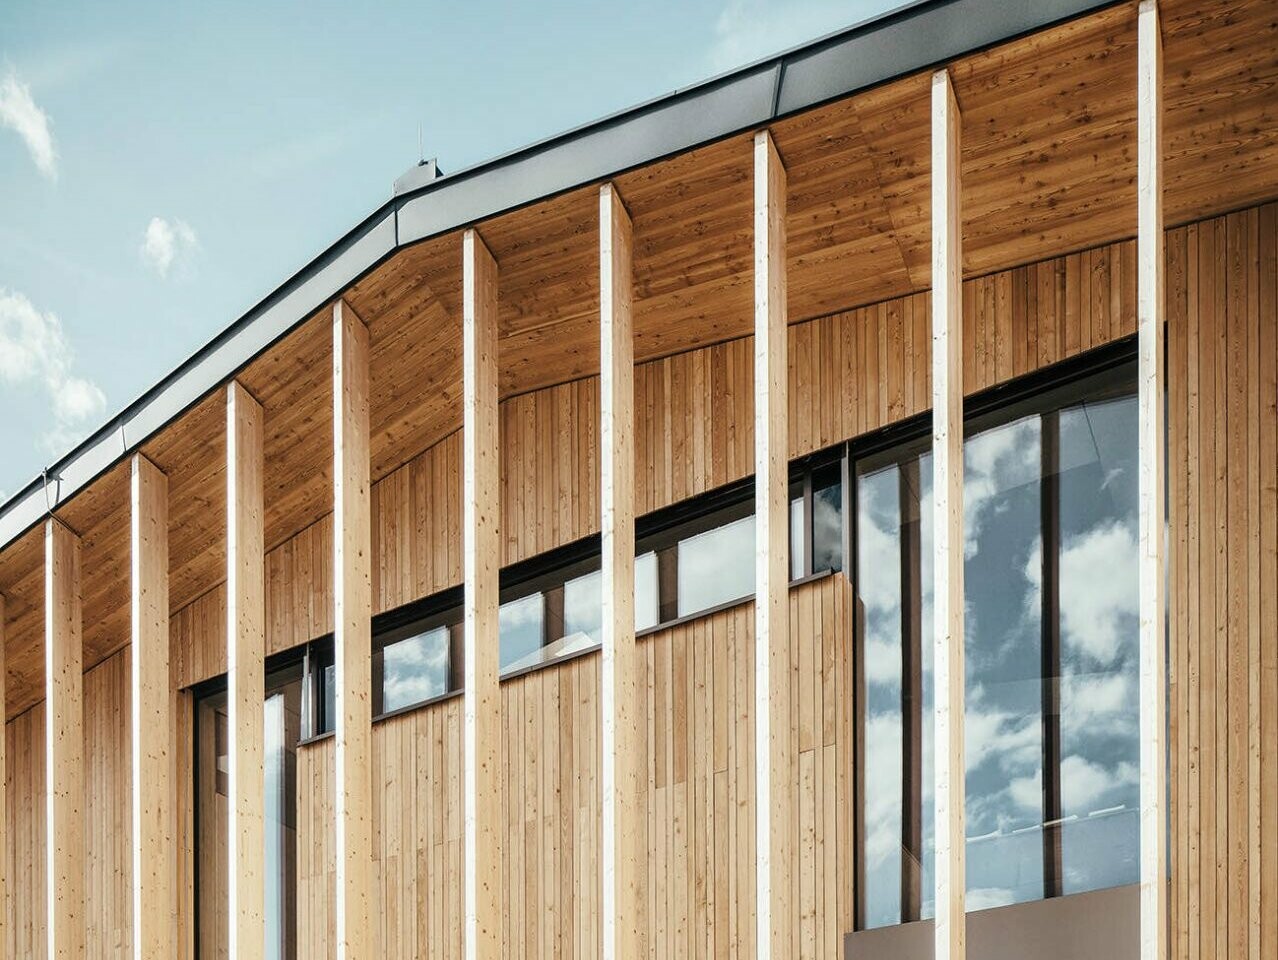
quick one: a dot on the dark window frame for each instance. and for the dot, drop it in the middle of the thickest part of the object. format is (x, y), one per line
(1038, 392)
(274, 665)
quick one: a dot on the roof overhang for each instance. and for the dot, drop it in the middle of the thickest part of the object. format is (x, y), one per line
(896, 44)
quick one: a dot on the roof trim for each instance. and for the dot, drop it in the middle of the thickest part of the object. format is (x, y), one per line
(903, 41)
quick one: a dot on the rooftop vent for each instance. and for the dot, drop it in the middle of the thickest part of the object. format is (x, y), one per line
(418, 175)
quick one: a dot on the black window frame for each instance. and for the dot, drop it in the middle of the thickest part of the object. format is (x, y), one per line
(658, 532)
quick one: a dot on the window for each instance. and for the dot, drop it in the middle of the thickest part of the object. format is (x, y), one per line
(417, 661)
(283, 715)
(691, 558)
(704, 551)
(1051, 654)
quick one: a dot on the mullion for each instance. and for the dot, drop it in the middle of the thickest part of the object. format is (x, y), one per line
(1049, 495)
(809, 531)
(911, 691)
(852, 566)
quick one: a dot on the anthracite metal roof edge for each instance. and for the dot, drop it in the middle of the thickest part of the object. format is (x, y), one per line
(899, 42)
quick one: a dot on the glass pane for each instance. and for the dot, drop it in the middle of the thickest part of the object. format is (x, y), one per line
(328, 720)
(927, 791)
(827, 524)
(716, 566)
(415, 669)
(211, 812)
(647, 607)
(796, 539)
(282, 728)
(879, 593)
(520, 627)
(1003, 649)
(583, 614)
(279, 835)
(1100, 656)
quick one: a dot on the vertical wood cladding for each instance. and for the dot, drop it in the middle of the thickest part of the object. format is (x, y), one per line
(108, 861)
(851, 373)
(417, 839)
(1222, 315)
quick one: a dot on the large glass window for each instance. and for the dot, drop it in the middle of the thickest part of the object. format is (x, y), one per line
(1050, 648)
(283, 713)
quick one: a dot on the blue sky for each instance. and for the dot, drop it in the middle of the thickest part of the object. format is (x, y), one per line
(165, 165)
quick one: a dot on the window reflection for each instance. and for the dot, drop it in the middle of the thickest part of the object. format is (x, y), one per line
(827, 520)
(521, 628)
(583, 607)
(1051, 655)
(1099, 645)
(797, 538)
(1004, 659)
(716, 566)
(282, 729)
(647, 599)
(878, 522)
(416, 668)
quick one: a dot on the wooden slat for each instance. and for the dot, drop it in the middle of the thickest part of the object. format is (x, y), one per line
(776, 833)
(64, 745)
(1152, 493)
(480, 562)
(150, 699)
(624, 839)
(352, 637)
(947, 524)
(4, 795)
(245, 677)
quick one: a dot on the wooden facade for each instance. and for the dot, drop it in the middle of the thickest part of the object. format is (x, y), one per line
(1050, 269)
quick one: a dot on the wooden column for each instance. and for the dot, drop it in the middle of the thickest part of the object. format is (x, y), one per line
(4, 804)
(776, 825)
(947, 522)
(481, 724)
(624, 847)
(1152, 492)
(352, 636)
(150, 698)
(63, 744)
(245, 673)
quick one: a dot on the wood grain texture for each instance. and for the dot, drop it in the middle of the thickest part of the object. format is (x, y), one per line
(1152, 508)
(623, 842)
(481, 727)
(150, 701)
(777, 832)
(849, 373)
(1051, 168)
(26, 934)
(947, 504)
(245, 675)
(4, 803)
(64, 746)
(352, 637)
(1222, 349)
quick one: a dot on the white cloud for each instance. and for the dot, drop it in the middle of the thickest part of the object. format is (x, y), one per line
(1100, 592)
(1085, 785)
(986, 898)
(34, 350)
(168, 243)
(19, 112)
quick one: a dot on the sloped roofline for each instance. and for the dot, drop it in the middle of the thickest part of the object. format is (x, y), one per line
(905, 40)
